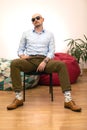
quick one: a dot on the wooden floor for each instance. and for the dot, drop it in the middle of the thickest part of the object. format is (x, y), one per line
(39, 113)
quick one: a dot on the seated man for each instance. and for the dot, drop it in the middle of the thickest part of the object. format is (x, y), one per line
(36, 51)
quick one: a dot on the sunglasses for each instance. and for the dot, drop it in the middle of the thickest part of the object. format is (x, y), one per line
(37, 18)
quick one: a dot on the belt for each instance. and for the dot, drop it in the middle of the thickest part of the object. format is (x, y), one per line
(38, 55)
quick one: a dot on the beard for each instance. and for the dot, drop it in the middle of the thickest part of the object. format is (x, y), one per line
(37, 25)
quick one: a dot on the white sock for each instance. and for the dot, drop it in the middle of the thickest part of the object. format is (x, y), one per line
(67, 95)
(19, 95)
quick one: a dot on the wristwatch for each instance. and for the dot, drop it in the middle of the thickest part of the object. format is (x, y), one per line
(46, 61)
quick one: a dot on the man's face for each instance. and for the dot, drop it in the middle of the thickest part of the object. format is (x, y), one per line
(37, 20)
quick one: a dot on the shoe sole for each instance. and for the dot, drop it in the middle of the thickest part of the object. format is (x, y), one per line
(14, 108)
(73, 110)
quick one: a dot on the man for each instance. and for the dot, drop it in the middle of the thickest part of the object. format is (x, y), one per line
(36, 51)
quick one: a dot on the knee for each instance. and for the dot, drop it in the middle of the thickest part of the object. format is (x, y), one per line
(62, 65)
(14, 62)
(59, 65)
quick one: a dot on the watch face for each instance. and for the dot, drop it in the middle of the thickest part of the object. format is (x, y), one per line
(45, 61)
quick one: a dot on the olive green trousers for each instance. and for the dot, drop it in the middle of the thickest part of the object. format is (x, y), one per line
(21, 65)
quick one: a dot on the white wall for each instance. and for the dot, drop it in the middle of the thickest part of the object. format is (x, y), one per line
(65, 18)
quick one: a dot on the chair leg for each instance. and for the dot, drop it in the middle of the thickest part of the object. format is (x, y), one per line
(51, 87)
(24, 88)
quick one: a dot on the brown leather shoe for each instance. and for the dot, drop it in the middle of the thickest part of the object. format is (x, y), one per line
(16, 103)
(71, 105)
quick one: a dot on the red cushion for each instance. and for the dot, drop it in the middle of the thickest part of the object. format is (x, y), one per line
(72, 67)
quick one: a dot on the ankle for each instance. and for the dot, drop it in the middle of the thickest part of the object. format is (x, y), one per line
(67, 95)
(19, 95)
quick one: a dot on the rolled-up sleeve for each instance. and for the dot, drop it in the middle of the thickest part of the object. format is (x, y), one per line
(22, 45)
(51, 49)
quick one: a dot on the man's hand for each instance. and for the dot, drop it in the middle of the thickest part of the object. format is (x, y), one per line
(24, 57)
(41, 66)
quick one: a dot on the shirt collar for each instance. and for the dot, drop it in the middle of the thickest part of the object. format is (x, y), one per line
(41, 32)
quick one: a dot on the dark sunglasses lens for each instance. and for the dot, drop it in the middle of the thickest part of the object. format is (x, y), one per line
(38, 17)
(33, 19)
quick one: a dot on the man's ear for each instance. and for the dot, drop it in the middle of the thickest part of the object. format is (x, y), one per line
(43, 19)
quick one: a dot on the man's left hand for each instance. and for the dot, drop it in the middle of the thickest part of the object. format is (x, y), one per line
(41, 66)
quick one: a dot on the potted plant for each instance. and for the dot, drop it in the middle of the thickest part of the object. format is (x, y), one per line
(78, 49)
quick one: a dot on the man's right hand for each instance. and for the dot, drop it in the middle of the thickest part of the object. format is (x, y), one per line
(24, 57)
